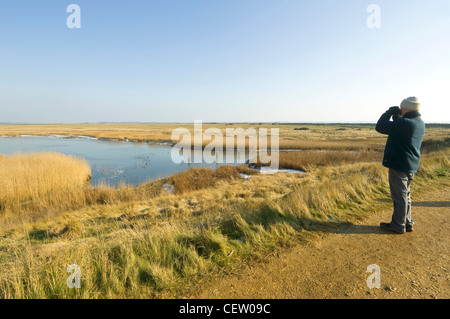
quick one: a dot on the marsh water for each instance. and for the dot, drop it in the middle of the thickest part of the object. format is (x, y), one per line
(111, 162)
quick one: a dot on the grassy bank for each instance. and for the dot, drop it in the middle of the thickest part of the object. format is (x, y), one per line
(145, 242)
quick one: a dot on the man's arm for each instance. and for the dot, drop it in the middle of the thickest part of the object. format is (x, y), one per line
(384, 125)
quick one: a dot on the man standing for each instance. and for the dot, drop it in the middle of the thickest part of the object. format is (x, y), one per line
(402, 157)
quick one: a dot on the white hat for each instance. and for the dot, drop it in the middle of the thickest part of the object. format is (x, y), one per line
(410, 103)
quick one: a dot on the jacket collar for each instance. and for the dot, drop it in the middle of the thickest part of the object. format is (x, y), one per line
(411, 115)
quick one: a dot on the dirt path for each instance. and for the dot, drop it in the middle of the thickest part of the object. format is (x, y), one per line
(412, 265)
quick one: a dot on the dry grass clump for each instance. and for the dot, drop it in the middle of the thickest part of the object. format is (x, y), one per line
(244, 169)
(193, 179)
(226, 172)
(203, 177)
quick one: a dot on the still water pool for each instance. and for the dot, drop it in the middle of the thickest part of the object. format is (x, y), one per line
(111, 162)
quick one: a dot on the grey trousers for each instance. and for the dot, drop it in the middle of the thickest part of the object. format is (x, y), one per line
(399, 183)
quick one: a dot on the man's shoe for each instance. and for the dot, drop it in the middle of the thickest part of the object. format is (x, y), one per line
(387, 226)
(409, 228)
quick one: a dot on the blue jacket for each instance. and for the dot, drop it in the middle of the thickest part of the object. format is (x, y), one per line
(402, 151)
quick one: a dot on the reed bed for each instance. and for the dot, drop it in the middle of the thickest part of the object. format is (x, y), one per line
(40, 180)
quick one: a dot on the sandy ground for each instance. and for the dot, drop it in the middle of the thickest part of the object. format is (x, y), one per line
(412, 265)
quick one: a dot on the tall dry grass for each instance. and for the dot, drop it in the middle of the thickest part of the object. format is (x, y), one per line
(40, 180)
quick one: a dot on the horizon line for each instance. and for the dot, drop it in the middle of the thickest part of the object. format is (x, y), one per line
(209, 122)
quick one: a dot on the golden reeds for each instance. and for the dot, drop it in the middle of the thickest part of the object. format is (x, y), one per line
(40, 177)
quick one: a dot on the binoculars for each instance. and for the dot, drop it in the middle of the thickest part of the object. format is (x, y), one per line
(396, 112)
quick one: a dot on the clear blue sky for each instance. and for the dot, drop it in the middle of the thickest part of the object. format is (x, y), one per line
(221, 60)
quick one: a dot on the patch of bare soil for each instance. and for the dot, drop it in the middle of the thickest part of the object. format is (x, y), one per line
(412, 265)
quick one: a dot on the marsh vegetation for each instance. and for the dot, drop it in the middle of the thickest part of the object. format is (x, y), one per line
(143, 241)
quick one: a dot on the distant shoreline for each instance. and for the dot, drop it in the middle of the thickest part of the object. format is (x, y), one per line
(212, 122)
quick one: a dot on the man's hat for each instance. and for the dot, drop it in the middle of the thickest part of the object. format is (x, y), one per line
(410, 103)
